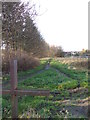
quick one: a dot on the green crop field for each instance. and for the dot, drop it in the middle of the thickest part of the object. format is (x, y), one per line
(68, 87)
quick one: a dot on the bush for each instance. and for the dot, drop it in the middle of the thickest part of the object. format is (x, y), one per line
(25, 61)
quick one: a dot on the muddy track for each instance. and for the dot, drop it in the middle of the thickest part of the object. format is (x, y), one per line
(60, 72)
(20, 79)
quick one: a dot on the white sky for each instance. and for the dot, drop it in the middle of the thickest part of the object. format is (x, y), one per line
(64, 23)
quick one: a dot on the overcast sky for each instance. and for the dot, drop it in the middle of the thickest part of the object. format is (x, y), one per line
(64, 23)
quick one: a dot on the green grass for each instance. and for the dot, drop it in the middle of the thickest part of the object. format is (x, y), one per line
(80, 76)
(52, 80)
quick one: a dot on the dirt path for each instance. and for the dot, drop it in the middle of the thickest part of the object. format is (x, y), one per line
(20, 79)
(61, 73)
(6, 84)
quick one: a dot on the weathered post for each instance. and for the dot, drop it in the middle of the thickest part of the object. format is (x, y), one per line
(14, 97)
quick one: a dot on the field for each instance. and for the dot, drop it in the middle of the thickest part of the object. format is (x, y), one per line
(75, 62)
(67, 82)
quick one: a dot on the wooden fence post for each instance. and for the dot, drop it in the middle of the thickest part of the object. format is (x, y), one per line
(14, 97)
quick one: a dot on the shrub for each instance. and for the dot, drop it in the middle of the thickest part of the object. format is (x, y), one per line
(25, 61)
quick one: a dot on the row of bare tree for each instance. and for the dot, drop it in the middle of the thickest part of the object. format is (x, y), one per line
(20, 32)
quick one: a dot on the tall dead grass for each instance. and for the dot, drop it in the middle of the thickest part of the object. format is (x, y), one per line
(78, 63)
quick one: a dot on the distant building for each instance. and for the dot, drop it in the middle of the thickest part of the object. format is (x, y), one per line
(71, 53)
